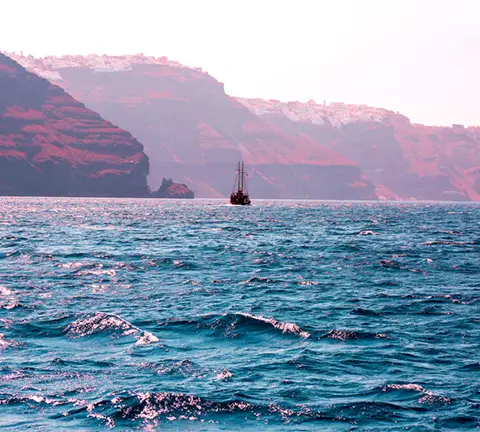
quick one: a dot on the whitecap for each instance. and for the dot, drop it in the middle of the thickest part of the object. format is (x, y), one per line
(71, 265)
(11, 300)
(225, 374)
(306, 282)
(97, 288)
(42, 399)
(101, 321)
(428, 396)
(367, 233)
(109, 272)
(147, 339)
(4, 343)
(5, 322)
(283, 326)
(5, 291)
(96, 323)
(414, 387)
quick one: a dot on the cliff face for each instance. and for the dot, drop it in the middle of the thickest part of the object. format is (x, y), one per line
(403, 160)
(196, 133)
(50, 144)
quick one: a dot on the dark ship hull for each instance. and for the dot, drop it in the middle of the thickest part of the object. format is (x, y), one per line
(239, 195)
(239, 199)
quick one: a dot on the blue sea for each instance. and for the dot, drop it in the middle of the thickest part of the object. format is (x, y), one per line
(196, 315)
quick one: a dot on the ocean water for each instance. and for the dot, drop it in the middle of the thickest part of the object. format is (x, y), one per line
(195, 315)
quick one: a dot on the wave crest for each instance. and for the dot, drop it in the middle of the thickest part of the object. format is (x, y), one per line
(428, 396)
(235, 321)
(285, 327)
(8, 299)
(343, 335)
(101, 322)
(4, 343)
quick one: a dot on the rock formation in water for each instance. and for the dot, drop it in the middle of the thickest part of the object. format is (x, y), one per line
(192, 130)
(169, 189)
(196, 133)
(52, 145)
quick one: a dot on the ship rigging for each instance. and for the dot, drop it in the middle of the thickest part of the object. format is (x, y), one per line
(239, 194)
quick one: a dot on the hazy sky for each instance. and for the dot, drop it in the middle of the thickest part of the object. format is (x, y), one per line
(419, 57)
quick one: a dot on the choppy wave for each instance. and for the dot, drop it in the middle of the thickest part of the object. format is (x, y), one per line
(155, 408)
(97, 272)
(285, 327)
(199, 316)
(8, 299)
(365, 312)
(344, 335)
(442, 298)
(241, 322)
(362, 233)
(427, 396)
(149, 408)
(101, 322)
(450, 243)
(4, 343)
(224, 374)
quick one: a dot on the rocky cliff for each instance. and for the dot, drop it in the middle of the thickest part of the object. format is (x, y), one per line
(196, 133)
(52, 145)
(403, 160)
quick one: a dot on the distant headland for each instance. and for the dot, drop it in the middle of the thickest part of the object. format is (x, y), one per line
(189, 129)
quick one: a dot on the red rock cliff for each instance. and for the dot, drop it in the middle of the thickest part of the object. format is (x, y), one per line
(51, 144)
(404, 160)
(194, 132)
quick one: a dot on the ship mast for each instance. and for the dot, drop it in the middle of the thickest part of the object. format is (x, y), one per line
(239, 194)
(241, 176)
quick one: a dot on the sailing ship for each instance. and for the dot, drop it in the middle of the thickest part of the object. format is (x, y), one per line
(239, 194)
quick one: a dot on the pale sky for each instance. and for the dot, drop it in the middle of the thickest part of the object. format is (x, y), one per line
(419, 57)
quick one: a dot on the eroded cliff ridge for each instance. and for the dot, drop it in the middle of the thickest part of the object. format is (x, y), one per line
(403, 160)
(52, 145)
(196, 133)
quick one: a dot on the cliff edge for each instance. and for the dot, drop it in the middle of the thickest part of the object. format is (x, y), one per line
(404, 161)
(193, 131)
(52, 145)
